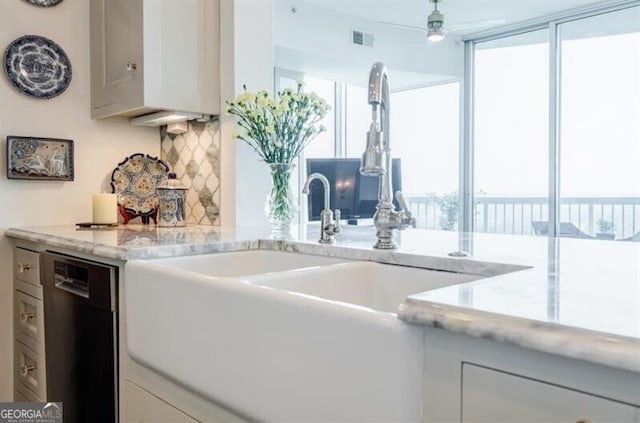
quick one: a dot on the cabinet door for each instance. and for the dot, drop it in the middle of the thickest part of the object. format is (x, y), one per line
(26, 267)
(29, 369)
(116, 56)
(22, 394)
(140, 406)
(492, 396)
(29, 321)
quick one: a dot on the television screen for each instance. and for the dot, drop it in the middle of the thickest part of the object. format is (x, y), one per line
(354, 194)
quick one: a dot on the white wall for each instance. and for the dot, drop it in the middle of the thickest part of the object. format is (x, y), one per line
(99, 146)
(317, 40)
(246, 58)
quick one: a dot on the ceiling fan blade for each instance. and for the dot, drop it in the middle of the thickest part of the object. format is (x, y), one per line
(397, 25)
(464, 26)
(472, 25)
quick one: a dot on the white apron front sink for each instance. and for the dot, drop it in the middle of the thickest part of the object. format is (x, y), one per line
(319, 342)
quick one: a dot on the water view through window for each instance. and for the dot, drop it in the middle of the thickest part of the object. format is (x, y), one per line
(593, 115)
(598, 130)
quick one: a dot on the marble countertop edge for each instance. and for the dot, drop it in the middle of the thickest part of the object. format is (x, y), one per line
(442, 263)
(144, 251)
(88, 247)
(573, 342)
(502, 275)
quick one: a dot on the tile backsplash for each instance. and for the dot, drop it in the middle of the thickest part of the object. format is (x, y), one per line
(195, 158)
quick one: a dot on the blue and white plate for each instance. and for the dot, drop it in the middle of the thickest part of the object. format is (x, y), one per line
(37, 66)
(44, 3)
(135, 181)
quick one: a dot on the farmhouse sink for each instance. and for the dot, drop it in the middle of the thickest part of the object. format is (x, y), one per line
(283, 337)
(244, 263)
(380, 287)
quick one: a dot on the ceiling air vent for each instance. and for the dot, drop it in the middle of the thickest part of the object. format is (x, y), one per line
(361, 38)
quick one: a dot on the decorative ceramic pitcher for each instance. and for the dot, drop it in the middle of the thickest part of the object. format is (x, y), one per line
(171, 199)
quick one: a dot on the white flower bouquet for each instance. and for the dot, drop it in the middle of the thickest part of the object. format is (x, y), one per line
(278, 129)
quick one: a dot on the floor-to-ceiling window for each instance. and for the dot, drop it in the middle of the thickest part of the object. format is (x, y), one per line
(555, 127)
(425, 126)
(511, 136)
(599, 123)
(323, 145)
(424, 135)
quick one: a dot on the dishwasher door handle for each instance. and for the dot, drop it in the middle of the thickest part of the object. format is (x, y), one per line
(70, 287)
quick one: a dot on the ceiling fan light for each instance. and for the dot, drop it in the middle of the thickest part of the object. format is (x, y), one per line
(435, 37)
(435, 26)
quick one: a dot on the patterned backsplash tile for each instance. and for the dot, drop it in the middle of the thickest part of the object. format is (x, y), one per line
(195, 158)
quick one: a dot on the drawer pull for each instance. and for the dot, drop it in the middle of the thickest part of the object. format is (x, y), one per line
(24, 267)
(131, 66)
(584, 421)
(25, 317)
(25, 370)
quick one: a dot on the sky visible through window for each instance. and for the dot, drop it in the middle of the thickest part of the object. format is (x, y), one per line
(599, 122)
(599, 118)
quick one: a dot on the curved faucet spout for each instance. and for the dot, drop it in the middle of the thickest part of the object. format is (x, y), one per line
(328, 227)
(325, 183)
(374, 161)
(379, 86)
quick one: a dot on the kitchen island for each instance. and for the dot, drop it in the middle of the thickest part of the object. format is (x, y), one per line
(563, 313)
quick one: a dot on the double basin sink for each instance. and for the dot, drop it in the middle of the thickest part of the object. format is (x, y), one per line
(283, 337)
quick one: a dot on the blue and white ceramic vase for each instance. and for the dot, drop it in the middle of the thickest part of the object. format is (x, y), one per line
(171, 201)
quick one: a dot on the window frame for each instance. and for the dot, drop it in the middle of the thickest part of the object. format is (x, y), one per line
(552, 24)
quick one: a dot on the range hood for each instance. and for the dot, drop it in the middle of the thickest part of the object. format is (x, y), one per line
(168, 117)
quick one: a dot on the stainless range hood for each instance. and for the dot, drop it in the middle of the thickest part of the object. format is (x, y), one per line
(168, 117)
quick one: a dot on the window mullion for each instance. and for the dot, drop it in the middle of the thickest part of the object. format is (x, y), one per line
(466, 144)
(340, 147)
(554, 131)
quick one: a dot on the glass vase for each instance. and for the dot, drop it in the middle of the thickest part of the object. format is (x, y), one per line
(280, 206)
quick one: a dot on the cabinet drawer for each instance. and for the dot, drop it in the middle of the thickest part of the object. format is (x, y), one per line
(18, 397)
(29, 320)
(490, 395)
(26, 266)
(141, 406)
(29, 369)
(22, 394)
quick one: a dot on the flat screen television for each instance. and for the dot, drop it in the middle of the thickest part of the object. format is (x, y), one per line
(354, 194)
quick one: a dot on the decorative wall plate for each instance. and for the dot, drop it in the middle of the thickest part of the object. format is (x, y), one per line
(37, 66)
(44, 3)
(39, 158)
(135, 181)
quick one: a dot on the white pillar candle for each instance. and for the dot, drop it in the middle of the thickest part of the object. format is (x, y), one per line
(105, 208)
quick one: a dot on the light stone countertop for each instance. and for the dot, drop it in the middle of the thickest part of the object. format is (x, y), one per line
(570, 297)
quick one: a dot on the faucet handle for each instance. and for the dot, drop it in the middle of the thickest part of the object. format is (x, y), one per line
(333, 225)
(403, 203)
(336, 224)
(408, 218)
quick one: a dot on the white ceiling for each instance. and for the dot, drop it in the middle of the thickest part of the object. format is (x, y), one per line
(469, 14)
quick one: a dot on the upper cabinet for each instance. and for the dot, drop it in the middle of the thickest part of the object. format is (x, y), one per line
(151, 55)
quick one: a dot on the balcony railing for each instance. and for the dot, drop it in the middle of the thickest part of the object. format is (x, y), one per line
(514, 215)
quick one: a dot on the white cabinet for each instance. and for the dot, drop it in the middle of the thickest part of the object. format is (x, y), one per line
(149, 55)
(489, 395)
(473, 380)
(28, 356)
(29, 320)
(30, 370)
(141, 406)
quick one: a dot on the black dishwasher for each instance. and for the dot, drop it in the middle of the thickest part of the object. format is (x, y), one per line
(81, 337)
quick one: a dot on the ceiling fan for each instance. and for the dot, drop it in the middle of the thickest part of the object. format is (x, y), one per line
(436, 29)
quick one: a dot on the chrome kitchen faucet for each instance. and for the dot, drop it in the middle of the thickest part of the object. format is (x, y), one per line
(376, 161)
(328, 226)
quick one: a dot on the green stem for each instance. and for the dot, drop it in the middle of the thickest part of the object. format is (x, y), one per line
(281, 211)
